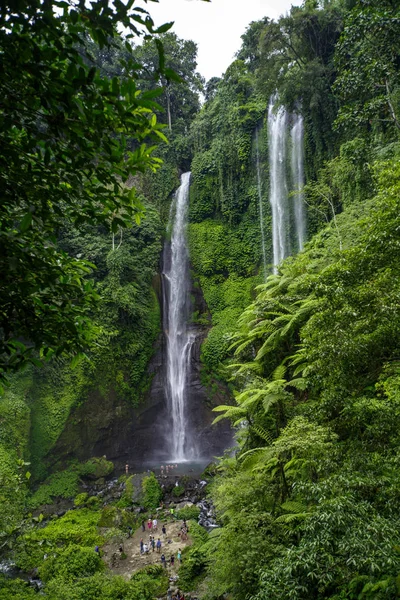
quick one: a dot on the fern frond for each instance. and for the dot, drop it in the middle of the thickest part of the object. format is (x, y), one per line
(294, 507)
(292, 517)
(279, 373)
(231, 412)
(268, 345)
(222, 407)
(269, 401)
(265, 325)
(281, 320)
(255, 459)
(300, 383)
(272, 281)
(297, 358)
(300, 368)
(263, 433)
(250, 398)
(242, 346)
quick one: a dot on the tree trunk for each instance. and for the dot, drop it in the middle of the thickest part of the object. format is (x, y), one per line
(168, 108)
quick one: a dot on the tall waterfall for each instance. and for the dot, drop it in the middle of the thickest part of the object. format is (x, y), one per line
(278, 196)
(260, 208)
(176, 316)
(297, 168)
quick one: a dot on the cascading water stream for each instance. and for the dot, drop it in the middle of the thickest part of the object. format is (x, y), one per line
(261, 209)
(297, 167)
(278, 195)
(176, 317)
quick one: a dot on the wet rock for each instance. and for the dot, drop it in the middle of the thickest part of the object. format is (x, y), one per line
(183, 504)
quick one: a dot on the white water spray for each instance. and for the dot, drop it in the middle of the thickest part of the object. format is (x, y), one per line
(261, 209)
(278, 196)
(297, 168)
(176, 315)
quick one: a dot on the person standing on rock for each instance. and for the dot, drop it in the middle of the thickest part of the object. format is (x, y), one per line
(172, 560)
(143, 526)
(155, 524)
(150, 524)
(158, 544)
(153, 542)
(179, 555)
(141, 545)
(163, 561)
(163, 529)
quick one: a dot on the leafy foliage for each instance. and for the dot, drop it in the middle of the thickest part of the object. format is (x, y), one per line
(152, 492)
(64, 135)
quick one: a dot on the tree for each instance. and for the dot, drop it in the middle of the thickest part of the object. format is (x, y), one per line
(180, 81)
(296, 59)
(367, 58)
(250, 49)
(64, 131)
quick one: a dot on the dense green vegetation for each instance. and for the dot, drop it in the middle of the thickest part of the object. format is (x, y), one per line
(309, 503)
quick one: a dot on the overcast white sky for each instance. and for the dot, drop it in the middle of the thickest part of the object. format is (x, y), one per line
(216, 27)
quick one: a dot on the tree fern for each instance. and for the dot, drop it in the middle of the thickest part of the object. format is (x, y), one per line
(268, 345)
(231, 412)
(262, 433)
(279, 373)
(299, 383)
(296, 512)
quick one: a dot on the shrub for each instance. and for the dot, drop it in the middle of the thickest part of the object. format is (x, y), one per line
(73, 562)
(97, 467)
(152, 492)
(101, 586)
(178, 491)
(63, 484)
(77, 527)
(189, 512)
(16, 589)
(193, 567)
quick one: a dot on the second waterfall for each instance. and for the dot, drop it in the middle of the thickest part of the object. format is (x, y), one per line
(179, 337)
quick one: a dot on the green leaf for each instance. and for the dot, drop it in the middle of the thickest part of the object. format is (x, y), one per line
(26, 222)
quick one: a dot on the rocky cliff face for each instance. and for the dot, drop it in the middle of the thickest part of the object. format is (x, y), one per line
(108, 425)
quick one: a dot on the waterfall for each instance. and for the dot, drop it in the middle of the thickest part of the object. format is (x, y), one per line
(176, 317)
(260, 207)
(278, 196)
(297, 168)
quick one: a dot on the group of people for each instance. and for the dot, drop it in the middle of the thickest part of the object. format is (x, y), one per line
(152, 524)
(153, 544)
(172, 559)
(184, 531)
(168, 469)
